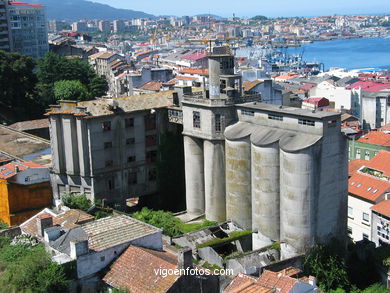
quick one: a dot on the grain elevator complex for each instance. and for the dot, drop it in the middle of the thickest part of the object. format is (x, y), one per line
(279, 171)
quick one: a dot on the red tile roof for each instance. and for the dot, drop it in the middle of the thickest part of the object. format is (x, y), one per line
(369, 86)
(25, 4)
(367, 187)
(8, 170)
(135, 271)
(382, 208)
(354, 166)
(151, 86)
(319, 102)
(195, 56)
(376, 137)
(246, 284)
(380, 162)
(186, 77)
(277, 280)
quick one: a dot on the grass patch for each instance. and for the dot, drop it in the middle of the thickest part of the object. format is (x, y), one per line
(220, 241)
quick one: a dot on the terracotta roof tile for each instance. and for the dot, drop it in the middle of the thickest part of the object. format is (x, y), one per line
(135, 271)
(382, 208)
(277, 280)
(367, 187)
(151, 86)
(7, 171)
(194, 71)
(246, 284)
(376, 137)
(354, 166)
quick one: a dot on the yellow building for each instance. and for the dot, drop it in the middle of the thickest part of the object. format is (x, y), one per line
(24, 191)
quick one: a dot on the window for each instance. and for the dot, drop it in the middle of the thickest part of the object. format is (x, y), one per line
(196, 119)
(131, 159)
(218, 122)
(357, 153)
(108, 145)
(132, 178)
(247, 112)
(152, 175)
(349, 229)
(150, 140)
(111, 183)
(332, 123)
(366, 217)
(109, 163)
(368, 189)
(150, 122)
(129, 122)
(130, 140)
(106, 125)
(365, 236)
(275, 117)
(306, 122)
(102, 258)
(367, 156)
(350, 211)
(151, 156)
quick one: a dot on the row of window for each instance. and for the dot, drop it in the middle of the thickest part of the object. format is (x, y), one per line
(366, 154)
(132, 178)
(150, 123)
(365, 216)
(245, 112)
(364, 235)
(150, 140)
(219, 121)
(151, 157)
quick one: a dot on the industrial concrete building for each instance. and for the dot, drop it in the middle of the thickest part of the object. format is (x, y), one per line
(107, 148)
(279, 171)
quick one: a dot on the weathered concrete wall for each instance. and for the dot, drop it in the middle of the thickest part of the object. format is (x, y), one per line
(265, 195)
(214, 177)
(238, 182)
(252, 263)
(193, 153)
(297, 203)
(211, 256)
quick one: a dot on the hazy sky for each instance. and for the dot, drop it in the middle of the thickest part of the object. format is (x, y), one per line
(249, 8)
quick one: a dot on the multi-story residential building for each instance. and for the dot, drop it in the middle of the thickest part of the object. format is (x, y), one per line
(79, 26)
(28, 29)
(119, 26)
(24, 190)
(107, 148)
(367, 146)
(104, 25)
(380, 233)
(367, 187)
(4, 26)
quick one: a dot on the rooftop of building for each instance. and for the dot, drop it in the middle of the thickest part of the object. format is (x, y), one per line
(382, 208)
(101, 107)
(355, 165)
(369, 86)
(246, 284)
(151, 86)
(24, 147)
(135, 270)
(249, 85)
(11, 169)
(17, 3)
(372, 179)
(30, 124)
(115, 230)
(263, 107)
(102, 55)
(376, 137)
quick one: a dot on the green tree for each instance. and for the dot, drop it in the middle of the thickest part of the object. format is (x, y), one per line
(328, 266)
(70, 90)
(29, 269)
(76, 201)
(55, 68)
(18, 98)
(3, 225)
(376, 288)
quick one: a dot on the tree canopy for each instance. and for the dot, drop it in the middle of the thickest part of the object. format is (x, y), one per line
(70, 90)
(54, 68)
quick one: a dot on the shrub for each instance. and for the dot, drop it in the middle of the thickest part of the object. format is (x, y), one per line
(76, 201)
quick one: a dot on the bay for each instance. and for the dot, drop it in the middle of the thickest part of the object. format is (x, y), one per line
(350, 54)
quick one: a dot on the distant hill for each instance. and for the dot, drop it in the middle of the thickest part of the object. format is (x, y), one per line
(72, 10)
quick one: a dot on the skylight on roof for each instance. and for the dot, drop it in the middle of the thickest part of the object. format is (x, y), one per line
(358, 185)
(375, 191)
(352, 183)
(368, 189)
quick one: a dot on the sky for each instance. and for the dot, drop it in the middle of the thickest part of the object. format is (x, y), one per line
(249, 8)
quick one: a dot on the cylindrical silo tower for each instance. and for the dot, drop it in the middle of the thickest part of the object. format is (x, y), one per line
(265, 194)
(215, 187)
(194, 175)
(297, 200)
(238, 182)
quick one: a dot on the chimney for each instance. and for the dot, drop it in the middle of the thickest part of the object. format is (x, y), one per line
(184, 258)
(52, 233)
(78, 248)
(16, 169)
(43, 222)
(312, 281)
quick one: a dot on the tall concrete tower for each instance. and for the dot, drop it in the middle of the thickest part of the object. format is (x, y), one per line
(205, 115)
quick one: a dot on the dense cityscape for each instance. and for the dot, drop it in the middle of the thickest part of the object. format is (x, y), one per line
(200, 153)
